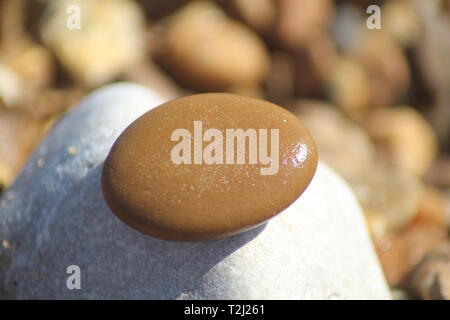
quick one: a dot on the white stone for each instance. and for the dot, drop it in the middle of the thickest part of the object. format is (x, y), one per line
(54, 216)
(94, 40)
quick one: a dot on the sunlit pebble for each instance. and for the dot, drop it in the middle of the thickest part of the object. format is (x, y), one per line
(238, 182)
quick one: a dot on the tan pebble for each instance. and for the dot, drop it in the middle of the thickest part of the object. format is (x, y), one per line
(349, 88)
(300, 21)
(186, 199)
(34, 64)
(400, 19)
(405, 137)
(108, 40)
(386, 64)
(313, 64)
(206, 50)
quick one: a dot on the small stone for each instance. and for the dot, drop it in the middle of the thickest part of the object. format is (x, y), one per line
(405, 138)
(300, 21)
(26, 71)
(206, 50)
(186, 199)
(430, 280)
(387, 65)
(108, 39)
(349, 87)
(34, 64)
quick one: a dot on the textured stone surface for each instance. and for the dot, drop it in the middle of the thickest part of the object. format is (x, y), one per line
(54, 216)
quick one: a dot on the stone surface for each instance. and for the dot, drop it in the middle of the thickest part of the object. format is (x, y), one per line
(185, 170)
(55, 216)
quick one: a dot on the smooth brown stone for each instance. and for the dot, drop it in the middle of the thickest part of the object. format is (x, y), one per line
(192, 202)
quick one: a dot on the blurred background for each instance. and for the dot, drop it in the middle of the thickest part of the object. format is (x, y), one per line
(376, 101)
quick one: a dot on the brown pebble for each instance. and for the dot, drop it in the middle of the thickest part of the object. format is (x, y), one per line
(405, 138)
(387, 66)
(205, 50)
(349, 88)
(302, 21)
(192, 202)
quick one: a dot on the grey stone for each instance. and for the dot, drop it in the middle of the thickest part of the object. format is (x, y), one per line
(55, 216)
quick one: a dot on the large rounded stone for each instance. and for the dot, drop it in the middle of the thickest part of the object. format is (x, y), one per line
(54, 216)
